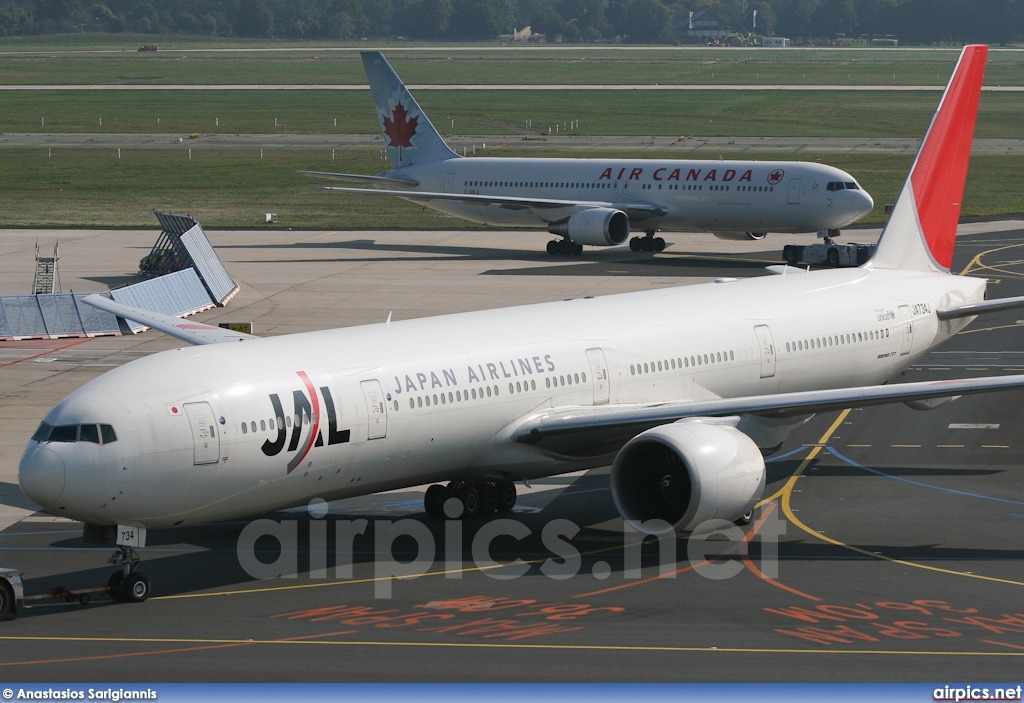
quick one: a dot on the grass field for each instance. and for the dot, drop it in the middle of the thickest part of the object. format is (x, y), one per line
(231, 187)
(186, 62)
(647, 113)
(234, 187)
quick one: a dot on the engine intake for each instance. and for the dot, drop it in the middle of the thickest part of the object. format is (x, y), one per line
(598, 226)
(684, 474)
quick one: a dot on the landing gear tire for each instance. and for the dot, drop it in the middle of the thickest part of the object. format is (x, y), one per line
(506, 493)
(470, 498)
(832, 257)
(577, 249)
(135, 588)
(659, 244)
(488, 498)
(635, 243)
(6, 599)
(791, 255)
(553, 247)
(114, 584)
(433, 500)
(745, 519)
(565, 247)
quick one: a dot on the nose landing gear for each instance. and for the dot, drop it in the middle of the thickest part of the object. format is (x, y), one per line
(126, 584)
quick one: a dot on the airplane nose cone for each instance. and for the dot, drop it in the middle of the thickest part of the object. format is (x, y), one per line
(868, 201)
(41, 475)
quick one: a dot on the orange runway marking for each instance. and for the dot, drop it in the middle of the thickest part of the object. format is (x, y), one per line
(44, 353)
(760, 574)
(691, 567)
(1004, 644)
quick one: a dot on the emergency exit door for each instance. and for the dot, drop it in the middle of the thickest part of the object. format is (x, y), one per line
(767, 348)
(599, 370)
(376, 410)
(205, 438)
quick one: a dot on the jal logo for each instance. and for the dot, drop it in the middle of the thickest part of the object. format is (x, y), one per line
(775, 177)
(305, 413)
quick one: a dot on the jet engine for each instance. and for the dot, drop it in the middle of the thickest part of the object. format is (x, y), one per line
(684, 474)
(599, 227)
(740, 236)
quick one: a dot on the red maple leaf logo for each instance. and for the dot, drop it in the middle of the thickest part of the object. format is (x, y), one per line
(775, 176)
(401, 128)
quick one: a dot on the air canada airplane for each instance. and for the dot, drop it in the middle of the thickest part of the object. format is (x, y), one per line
(598, 201)
(682, 390)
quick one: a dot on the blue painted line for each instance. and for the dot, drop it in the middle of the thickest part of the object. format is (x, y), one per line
(853, 463)
(780, 457)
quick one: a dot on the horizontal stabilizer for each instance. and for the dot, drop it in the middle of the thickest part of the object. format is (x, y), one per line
(358, 178)
(953, 312)
(191, 332)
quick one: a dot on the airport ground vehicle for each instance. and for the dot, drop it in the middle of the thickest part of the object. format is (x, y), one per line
(828, 252)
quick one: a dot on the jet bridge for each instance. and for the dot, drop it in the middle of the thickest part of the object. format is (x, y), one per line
(186, 277)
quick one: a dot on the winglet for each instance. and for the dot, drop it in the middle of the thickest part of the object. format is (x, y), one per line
(921, 231)
(408, 134)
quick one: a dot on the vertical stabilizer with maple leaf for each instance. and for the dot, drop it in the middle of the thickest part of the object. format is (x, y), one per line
(408, 134)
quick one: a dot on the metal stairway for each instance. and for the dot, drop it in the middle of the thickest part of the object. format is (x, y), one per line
(46, 277)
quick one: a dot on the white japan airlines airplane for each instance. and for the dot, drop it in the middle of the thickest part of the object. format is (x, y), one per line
(598, 201)
(682, 388)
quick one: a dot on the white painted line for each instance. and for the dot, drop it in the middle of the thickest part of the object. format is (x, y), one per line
(972, 426)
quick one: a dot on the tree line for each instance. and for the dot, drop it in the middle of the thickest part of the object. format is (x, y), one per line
(572, 21)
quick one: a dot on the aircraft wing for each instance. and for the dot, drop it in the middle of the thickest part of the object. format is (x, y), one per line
(561, 427)
(636, 212)
(191, 332)
(505, 200)
(360, 178)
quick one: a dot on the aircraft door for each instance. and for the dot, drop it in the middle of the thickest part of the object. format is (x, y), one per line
(767, 345)
(376, 410)
(205, 438)
(908, 330)
(599, 370)
(794, 191)
(449, 181)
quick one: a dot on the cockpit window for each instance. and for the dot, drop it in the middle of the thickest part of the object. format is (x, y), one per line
(43, 433)
(89, 433)
(107, 432)
(842, 185)
(97, 434)
(64, 433)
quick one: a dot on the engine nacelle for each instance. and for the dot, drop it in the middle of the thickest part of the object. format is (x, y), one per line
(598, 226)
(740, 236)
(685, 474)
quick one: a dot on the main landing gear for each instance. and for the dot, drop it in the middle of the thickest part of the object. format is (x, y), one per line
(647, 243)
(564, 247)
(460, 499)
(126, 584)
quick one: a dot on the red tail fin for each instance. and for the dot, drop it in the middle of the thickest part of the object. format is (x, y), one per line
(930, 200)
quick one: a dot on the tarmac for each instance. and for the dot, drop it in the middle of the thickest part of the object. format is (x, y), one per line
(889, 548)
